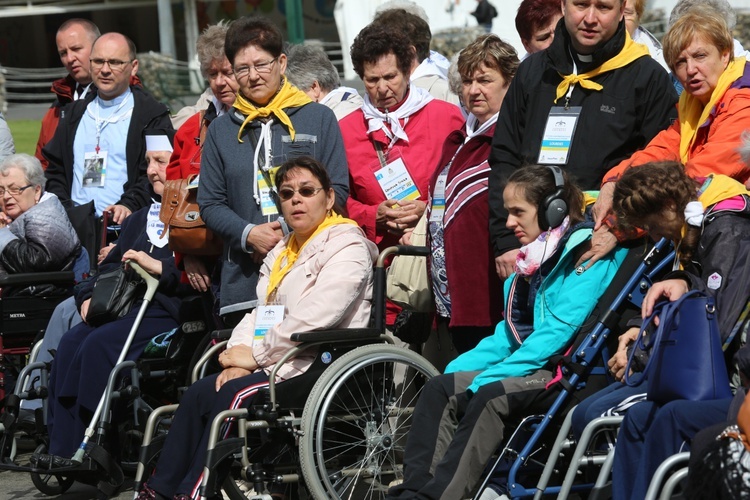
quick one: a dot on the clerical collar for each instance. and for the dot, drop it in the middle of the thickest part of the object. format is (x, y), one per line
(116, 101)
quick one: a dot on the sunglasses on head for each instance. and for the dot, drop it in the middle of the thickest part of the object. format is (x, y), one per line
(306, 191)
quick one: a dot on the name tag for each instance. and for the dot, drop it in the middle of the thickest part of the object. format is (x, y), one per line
(94, 169)
(558, 135)
(267, 204)
(437, 210)
(396, 182)
(265, 318)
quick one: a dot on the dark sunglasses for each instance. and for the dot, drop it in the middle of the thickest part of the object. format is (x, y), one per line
(286, 194)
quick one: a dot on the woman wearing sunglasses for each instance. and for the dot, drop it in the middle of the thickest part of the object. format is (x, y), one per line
(317, 277)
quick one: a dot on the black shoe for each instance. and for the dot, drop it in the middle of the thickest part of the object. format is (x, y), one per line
(47, 461)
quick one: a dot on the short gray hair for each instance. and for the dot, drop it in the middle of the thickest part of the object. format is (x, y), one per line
(28, 164)
(744, 148)
(454, 77)
(721, 6)
(307, 64)
(407, 5)
(210, 46)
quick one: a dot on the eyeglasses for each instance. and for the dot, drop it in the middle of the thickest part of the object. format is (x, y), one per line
(260, 68)
(15, 191)
(286, 194)
(114, 64)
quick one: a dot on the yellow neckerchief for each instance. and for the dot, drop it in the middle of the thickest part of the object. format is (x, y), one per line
(717, 188)
(292, 251)
(629, 53)
(288, 96)
(693, 113)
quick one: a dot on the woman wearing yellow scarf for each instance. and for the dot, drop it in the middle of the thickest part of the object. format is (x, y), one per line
(318, 277)
(714, 109)
(270, 122)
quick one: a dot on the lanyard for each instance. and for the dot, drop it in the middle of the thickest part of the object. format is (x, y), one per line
(101, 123)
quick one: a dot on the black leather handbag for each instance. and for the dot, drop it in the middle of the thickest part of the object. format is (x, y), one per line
(113, 296)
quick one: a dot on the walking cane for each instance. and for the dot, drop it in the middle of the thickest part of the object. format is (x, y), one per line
(151, 286)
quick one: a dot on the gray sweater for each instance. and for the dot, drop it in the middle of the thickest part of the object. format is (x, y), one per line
(225, 193)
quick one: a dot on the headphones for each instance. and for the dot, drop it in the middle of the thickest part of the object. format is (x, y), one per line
(554, 208)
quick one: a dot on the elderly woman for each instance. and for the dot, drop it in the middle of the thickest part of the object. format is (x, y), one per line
(458, 211)
(310, 70)
(321, 273)
(535, 22)
(35, 233)
(633, 13)
(714, 110)
(270, 122)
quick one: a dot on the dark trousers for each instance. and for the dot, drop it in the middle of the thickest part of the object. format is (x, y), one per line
(650, 433)
(453, 434)
(180, 466)
(614, 399)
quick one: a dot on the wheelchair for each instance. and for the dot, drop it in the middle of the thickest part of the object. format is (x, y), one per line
(336, 431)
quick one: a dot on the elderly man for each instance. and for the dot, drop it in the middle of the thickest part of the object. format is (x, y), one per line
(98, 152)
(585, 103)
(74, 40)
(309, 69)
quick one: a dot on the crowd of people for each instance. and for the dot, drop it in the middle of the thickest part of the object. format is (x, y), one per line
(530, 174)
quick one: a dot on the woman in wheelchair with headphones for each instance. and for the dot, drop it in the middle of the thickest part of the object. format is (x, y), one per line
(459, 419)
(318, 277)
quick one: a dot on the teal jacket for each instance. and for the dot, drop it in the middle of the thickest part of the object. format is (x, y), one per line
(568, 299)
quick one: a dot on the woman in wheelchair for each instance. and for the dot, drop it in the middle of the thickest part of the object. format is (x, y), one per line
(708, 220)
(317, 277)
(35, 233)
(86, 354)
(460, 417)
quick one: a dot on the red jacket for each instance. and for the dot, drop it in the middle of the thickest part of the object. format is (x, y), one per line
(186, 157)
(715, 150)
(475, 289)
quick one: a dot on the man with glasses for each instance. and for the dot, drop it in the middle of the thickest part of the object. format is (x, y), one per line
(97, 153)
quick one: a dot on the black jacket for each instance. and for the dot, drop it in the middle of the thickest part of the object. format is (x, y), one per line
(147, 114)
(637, 102)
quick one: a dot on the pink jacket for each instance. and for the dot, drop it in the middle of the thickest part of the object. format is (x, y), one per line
(329, 286)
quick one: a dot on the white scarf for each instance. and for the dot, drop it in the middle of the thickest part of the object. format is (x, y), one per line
(471, 123)
(155, 227)
(389, 121)
(430, 67)
(337, 95)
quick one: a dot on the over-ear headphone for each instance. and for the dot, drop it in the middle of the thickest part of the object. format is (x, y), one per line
(554, 208)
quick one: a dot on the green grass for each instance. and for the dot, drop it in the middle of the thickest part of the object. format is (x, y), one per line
(25, 134)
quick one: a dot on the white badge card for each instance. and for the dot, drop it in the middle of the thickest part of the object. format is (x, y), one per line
(558, 135)
(267, 205)
(265, 318)
(396, 182)
(438, 199)
(94, 169)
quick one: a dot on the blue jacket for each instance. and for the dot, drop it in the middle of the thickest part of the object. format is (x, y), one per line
(566, 301)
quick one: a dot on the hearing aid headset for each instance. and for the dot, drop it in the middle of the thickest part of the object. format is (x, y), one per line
(554, 208)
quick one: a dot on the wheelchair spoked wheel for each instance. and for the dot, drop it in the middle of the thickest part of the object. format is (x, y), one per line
(356, 419)
(50, 484)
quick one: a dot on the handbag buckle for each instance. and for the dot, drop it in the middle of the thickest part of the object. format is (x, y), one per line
(710, 308)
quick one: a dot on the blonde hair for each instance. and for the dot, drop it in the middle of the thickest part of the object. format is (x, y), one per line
(700, 21)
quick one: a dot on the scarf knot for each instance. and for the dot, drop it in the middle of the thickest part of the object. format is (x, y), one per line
(389, 121)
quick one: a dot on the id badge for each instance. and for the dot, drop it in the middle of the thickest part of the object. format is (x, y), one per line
(267, 205)
(265, 318)
(94, 169)
(396, 182)
(437, 211)
(558, 135)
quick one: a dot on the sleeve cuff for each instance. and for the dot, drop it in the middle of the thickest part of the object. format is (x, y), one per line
(6, 237)
(243, 242)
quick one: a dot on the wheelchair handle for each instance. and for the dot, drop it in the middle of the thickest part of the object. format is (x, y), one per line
(418, 251)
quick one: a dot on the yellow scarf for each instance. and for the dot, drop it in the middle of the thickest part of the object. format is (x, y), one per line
(288, 97)
(693, 113)
(289, 256)
(720, 188)
(629, 53)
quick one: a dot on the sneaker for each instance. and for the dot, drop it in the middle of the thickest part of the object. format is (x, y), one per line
(490, 494)
(146, 493)
(395, 482)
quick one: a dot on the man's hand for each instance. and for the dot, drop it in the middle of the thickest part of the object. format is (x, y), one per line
(196, 273)
(119, 213)
(263, 237)
(603, 204)
(669, 289)
(602, 242)
(619, 361)
(230, 374)
(505, 264)
(240, 356)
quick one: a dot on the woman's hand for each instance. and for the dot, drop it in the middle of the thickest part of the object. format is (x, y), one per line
(196, 273)
(4, 220)
(144, 260)
(119, 213)
(669, 289)
(505, 264)
(240, 356)
(619, 361)
(85, 309)
(103, 252)
(406, 237)
(404, 215)
(602, 242)
(230, 374)
(603, 204)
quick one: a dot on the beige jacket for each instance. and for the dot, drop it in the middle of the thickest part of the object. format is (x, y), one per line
(329, 286)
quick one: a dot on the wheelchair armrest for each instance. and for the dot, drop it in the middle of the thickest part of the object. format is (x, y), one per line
(65, 278)
(340, 335)
(221, 334)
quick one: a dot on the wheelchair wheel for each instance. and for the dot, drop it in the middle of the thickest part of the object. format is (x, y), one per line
(355, 421)
(50, 484)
